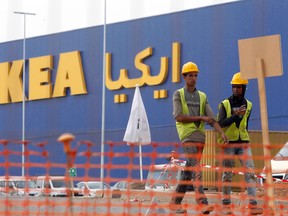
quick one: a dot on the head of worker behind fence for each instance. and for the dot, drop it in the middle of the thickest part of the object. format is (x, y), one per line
(190, 73)
(238, 85)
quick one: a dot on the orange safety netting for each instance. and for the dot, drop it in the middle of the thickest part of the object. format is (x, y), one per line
(150, 196)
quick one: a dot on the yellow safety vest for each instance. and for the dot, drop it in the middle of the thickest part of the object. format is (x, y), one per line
(185, 129)
(232, 132)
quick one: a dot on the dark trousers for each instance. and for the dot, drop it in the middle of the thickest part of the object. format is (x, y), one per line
(192, 174)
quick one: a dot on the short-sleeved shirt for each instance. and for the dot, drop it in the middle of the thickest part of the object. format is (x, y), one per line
(193, 103)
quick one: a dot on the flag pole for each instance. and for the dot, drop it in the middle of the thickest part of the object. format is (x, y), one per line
(140, 161)
(137, 130)
(23, 87)
(139, 143)
(103, 102)
(140, 154)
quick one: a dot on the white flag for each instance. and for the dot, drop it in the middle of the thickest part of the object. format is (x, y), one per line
(137, 130)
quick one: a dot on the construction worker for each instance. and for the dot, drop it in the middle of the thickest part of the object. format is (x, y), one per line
(191, 111)
(233, 117)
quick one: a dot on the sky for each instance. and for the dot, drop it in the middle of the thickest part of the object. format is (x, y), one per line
(54, 16)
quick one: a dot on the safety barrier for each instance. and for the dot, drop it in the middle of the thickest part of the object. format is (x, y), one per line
(150, 196)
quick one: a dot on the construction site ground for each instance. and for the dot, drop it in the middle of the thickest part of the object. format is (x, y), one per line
(137, 202)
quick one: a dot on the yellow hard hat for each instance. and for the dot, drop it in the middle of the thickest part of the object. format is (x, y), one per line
(189, 67)
(237, 80)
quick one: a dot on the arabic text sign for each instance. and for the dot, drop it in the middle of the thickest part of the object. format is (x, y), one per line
(268, 49)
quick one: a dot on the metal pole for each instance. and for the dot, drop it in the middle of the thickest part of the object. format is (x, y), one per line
(103, 99)
(23, 87)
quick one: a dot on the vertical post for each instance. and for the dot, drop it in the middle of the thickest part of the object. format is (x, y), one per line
(103, 100)
(23, 96)
(265, 131)
(140, 160)
(140, 141)
(23, 87)
(67, 139)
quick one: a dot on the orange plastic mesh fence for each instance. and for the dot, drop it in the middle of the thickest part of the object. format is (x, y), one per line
(150, 196)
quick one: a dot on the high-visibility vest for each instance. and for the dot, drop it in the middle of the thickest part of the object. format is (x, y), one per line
(185, 129)
(232, 132)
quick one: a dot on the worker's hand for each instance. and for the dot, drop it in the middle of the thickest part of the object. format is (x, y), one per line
(225, 139)
(241, 111)
(209, 120)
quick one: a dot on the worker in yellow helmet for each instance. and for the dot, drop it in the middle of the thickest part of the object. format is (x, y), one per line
(191, 111)
(233, 117)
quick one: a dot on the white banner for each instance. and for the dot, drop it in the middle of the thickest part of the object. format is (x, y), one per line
(137, 130)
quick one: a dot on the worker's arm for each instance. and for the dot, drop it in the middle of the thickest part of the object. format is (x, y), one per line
(187, 119)
(222, 120)
(215, 124)
(220, 131)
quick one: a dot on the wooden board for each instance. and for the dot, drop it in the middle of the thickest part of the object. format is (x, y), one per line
(267, 48)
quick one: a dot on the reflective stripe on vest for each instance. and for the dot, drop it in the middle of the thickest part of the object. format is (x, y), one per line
(232, 132)
(185, 129)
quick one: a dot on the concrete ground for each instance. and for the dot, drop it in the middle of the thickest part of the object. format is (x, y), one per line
(128, 204)
(160, 205)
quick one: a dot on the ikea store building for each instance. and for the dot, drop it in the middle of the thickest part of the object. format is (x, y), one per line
(64, 74)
